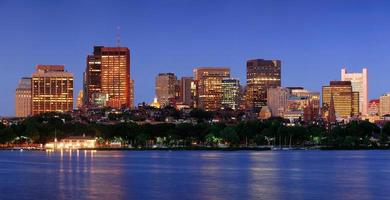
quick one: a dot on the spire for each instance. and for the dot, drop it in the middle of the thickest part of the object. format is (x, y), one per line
(118, 36)
(331, 111)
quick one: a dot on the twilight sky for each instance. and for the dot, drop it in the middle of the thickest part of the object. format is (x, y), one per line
(314, 39)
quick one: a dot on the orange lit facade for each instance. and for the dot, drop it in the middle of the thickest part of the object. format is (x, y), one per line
(346, 102)
(52, 89)
(108, 73)
(209, 86)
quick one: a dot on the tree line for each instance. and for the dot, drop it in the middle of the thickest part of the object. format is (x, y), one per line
(274, 131)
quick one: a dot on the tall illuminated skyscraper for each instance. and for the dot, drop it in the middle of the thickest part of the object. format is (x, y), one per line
(165, 88)
(230, 93)
(23, 98)
(359, 83)
(208, 82)
(345, 100)
(261, 75)
(108, 73)
(52, 89)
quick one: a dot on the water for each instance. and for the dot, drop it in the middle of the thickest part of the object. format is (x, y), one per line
(195, 175)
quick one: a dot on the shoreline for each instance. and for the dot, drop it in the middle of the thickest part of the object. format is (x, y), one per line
(204, 149)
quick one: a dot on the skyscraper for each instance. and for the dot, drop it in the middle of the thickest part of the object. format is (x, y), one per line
(277, 99)
(23, 98)
(346, 102)
(261, 75)
(209, 86)
(359, 83)
(384, 104)
(165, 88)
(230, 93)
(108, 73)
(185, 91)
(52, 89)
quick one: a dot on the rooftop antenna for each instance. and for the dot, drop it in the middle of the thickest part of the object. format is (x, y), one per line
(118, 36)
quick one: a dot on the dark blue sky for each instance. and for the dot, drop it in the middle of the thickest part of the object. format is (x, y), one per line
(314, 39)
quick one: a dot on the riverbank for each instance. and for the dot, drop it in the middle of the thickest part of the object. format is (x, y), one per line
(205, 149)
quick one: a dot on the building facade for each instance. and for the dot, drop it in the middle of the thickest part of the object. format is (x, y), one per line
(345, 100)
(230, 93)
(108, 73)
(165, 88)
(208, 82)
(186, 96)
(80, 97)
(373, 107)
(384, 104)
(52, 89)
(359, 82)
(261, 75)
(277, 99)
(23, 98)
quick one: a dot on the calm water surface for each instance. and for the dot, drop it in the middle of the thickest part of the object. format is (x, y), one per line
(195, 175)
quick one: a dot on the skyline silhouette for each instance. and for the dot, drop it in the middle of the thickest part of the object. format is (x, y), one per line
(314, 40)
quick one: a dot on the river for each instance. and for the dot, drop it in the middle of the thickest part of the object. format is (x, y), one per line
(195, 175)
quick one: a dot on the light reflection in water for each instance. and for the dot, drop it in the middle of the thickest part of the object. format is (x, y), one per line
(195, 175)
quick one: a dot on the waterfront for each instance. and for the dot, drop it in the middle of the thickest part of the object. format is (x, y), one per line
(194, 175)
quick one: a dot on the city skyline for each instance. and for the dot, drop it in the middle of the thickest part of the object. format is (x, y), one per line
(184, 53)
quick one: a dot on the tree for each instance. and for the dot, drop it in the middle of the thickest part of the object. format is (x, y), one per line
(229, 135)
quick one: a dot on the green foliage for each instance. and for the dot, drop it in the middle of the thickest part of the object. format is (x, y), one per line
(275, 131)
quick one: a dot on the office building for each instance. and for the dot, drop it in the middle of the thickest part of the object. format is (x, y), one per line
(261, 75)
(384, 104)
(52, 89)
(230, 93)
(277, 99)
(359, 82)
(166, 88)
(208, 82)
(23, 98)
(345, 100)
(186, 96)
(108, 73)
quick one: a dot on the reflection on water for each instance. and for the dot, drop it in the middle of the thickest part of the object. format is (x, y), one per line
(194, 175)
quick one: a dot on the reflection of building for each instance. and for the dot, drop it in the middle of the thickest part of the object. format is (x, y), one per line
(209, 86)
(165, 88)
(346, 102)
(23, 98)
(108, 72)
(261, 75)
(277, 99)
(359, 82)
(73, 142)
(384, 104)
(52, 89)
(230, 93)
